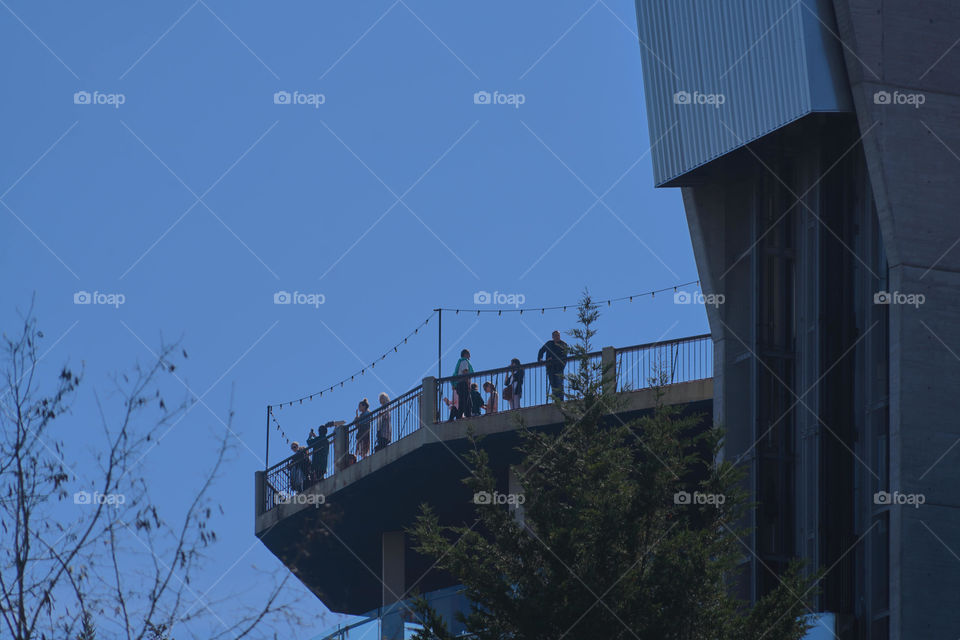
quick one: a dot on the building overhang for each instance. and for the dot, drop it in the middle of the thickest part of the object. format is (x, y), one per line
(333, 544)
(718, 77)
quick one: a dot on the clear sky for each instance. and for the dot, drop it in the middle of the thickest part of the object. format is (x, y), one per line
(185, 180)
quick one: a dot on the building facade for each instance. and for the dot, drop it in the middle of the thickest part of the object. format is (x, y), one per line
(815, 145)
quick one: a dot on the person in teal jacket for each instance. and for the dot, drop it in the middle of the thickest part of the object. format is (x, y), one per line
(462, 383)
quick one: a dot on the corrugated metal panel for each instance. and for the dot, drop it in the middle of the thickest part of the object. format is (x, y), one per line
(719, 74)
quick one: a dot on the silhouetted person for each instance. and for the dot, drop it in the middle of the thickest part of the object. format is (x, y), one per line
(476, 400)
(299, 467)
(454, 405)
(513, 389)
(493, 400)
(462, 383)
(383, 424)
(320, 447)
(554, 352)
(363, 428)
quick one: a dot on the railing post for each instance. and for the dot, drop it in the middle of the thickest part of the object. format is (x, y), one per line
(608, 365)
(428, 402)
(260, 491)
(340, 447)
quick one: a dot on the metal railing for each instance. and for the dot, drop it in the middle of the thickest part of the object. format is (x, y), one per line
(387, 423)
(394, 420)
(307, 466)
(535, 389)
(668, 362)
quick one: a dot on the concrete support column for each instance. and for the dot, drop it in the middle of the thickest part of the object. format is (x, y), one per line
(608, 364)
(428, 402)
(393, 577)
(340, 447)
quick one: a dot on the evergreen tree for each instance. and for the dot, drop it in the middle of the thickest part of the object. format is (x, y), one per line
(609, 546)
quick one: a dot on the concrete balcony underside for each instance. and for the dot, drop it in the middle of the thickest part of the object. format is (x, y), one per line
(335, 548)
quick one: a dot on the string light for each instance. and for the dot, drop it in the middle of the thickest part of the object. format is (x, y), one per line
(499, 313)
(279, 428)
(362, 370)
(564, 307)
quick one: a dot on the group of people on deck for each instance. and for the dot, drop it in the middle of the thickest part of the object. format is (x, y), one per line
(466, 401)
(304, 468)
(364, 418)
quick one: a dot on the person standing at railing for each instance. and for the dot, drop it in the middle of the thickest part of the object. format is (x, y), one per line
(493, 399)
(383, 424)
(363, 428)
(476, 400)
(454, 405)
(462, 383)
(320, 447)
(513, 385)
(299, 467)
(555, 354)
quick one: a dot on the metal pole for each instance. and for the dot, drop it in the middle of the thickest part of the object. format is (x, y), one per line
(439, 342)
(266, 458)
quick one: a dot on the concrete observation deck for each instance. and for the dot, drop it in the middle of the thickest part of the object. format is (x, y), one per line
(343, 535)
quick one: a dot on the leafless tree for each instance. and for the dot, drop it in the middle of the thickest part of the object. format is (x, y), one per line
(71, 560)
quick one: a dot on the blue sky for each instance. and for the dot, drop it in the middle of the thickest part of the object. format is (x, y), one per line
(388, 191)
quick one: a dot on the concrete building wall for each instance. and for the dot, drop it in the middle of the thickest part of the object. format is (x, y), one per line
(912, 156)
(890, 221)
